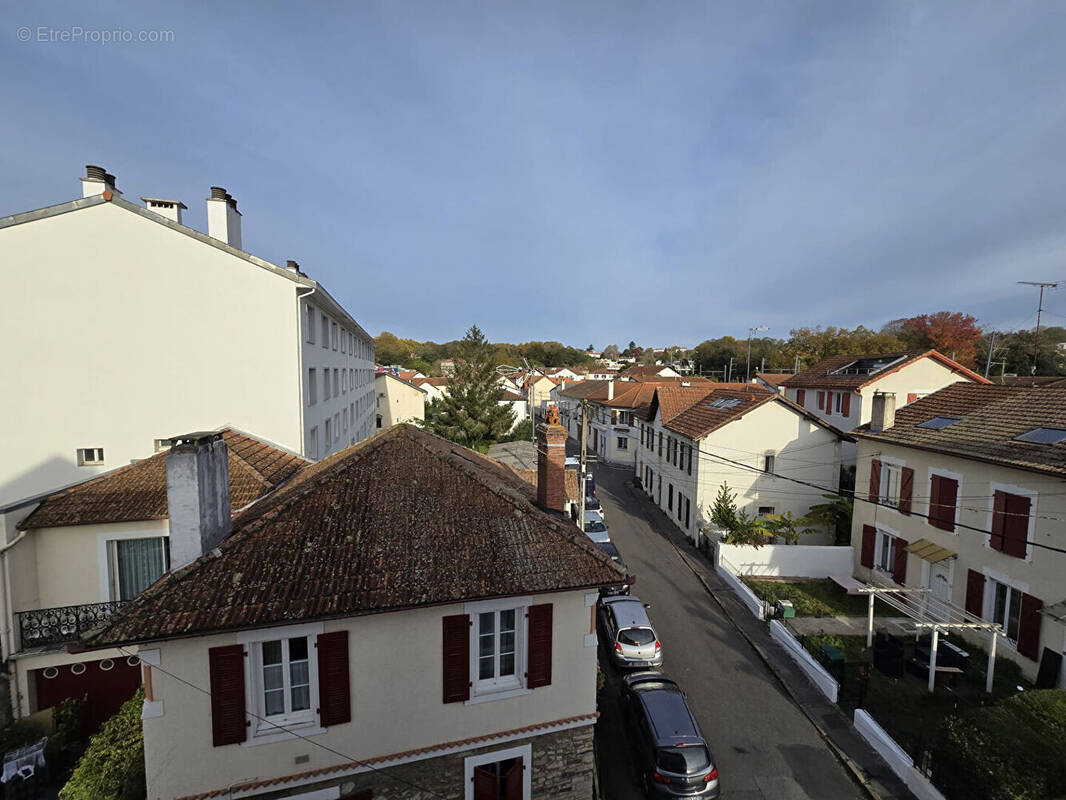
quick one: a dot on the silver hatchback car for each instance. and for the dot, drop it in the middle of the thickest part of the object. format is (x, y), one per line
(629, 636)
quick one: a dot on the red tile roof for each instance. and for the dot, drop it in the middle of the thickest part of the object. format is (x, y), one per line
(837, 372)
(990, 417)
(645, 372)
(402, 520)
(773, 378)
(139, 491)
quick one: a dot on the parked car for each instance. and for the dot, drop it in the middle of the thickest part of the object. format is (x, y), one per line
(609, 549)
(593, 503)
(572, 461)
(597, 531)
(628, 633)
(590, 485)
(672, 755)
(594, 515)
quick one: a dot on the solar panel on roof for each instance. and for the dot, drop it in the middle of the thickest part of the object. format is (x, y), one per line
(1042, 436)
(938, 423)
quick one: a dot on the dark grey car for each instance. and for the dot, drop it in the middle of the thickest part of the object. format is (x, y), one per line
(672, 755)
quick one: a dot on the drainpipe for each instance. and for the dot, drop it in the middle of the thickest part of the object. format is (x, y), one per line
(300, 371)
(7, 620)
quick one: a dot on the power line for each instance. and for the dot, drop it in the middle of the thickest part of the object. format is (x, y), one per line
(294, 733)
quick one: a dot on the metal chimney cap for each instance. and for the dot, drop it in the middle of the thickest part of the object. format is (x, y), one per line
(218, 193)
(95, 173)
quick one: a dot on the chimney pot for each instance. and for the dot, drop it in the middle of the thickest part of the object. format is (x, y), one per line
(882, 411)
(218, 193)
(93, 172)
(292, 265)
(97, 180)
(198, 498)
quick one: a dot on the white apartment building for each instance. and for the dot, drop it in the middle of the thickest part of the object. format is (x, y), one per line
(125, 327)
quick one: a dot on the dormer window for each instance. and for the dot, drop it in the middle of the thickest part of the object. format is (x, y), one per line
(1042, 436)
(939, 423)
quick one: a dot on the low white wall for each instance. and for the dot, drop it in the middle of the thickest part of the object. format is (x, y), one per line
(790, 560)
(729, 574)
(895, 756)
(819, 677)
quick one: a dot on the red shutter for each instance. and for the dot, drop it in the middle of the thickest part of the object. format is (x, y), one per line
(828, 403)
(229, 722)
(911, 397)
(334, 683)
(945, 494)
(456, 658)
(539, 666)
(875, 481)
(999, 508)
(801, 396)
(485, 785)
(975, 592)
(512, 781)
(1016, 526)
(1029, 627)
(899, 565)
(869, 541)
(934, 500)
(906, 490)
(614, 417)
(845, 408)
(821, 401)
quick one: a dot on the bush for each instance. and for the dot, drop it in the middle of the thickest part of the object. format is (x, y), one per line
(1015, 750)
(113, 766)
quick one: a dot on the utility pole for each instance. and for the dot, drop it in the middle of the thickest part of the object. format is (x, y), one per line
(752, 332)
(581, 472)
(991, 350)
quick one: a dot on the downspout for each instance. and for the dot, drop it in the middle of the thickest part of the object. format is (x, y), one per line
(8, 623)
(300, 371)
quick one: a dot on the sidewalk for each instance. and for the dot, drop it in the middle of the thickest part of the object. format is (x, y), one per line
(834, 726)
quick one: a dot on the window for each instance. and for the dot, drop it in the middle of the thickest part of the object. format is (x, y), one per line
(285, 678)
(337, 425)
(768, 463)
(1042, 436)
(312, 386)
(885, 555)
(623, 443)
(312, 443)
(623, 417)
(688, 508)
(1006, 607)
(670, 497)
(90, 456)
(328, 441)
(135, 564)
(837, 401)
(346, 419)
(938, 423)
(500, 775)
(159, 445)
(336, 382)
(890, 483)
(325, 331)
(325, 384)
(310, 324)
(344, 341)
(497, 649)
(765, 511)
(335, 337)
(725, 402)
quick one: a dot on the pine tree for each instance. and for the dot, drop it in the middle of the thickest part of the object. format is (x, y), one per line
(471, 414)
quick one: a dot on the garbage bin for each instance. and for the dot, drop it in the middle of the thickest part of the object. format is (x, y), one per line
(833, 660)
(785, 609)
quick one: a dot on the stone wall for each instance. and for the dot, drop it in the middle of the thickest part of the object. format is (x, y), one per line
(562, 770)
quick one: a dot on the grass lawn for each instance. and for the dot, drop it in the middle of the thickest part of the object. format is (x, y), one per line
(815, 597)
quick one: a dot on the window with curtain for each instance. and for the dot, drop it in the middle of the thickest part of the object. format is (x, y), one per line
(136, 564)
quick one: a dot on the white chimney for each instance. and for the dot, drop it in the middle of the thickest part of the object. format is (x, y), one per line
(98, 180)
(197, 496)
(610, 390)
(882, 412)
(223, 218)
(171, 209)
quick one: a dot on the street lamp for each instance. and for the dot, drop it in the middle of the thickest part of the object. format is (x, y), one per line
(752, 332)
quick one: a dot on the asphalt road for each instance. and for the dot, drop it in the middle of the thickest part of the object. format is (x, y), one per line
(764, 746)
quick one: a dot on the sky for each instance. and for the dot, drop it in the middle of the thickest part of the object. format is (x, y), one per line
(587, 172)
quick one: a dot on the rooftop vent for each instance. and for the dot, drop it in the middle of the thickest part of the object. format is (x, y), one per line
(1042, 436)
(171, 209)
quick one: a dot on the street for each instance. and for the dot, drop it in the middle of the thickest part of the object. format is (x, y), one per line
(764, 747)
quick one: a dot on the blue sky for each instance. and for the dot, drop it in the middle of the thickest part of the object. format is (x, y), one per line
(586, 172)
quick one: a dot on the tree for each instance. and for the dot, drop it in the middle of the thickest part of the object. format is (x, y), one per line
(471, 414)
(610, 351)
(951, 332)
(647, 357)
(834, 516)
(590, 349)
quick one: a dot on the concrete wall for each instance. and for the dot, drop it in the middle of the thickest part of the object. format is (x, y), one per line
(1040, 574)
(792, 561)
(895, 756)
(396, 687)
(825, 682)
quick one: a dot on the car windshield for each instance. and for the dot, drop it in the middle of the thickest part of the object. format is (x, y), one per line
(636, 636)
(683, 760)
(592, 503)
(595, 527)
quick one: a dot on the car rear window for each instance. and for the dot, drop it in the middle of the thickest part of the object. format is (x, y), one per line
(636, 636)
(683, 760)
(594, 527)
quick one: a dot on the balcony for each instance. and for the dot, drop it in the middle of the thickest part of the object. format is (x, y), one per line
(47, 627)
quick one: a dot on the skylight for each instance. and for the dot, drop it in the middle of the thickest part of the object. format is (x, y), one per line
(938, 423)
(725, 402)
(1042, 436)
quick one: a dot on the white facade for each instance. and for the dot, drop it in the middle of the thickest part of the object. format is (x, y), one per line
(130, 328)
(398, 401)
(683, 476)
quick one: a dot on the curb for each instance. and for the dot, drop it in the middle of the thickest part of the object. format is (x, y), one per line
(857, 772)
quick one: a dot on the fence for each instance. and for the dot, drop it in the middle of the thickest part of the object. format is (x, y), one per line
(895, 756)
(825, 682)
(788, 560)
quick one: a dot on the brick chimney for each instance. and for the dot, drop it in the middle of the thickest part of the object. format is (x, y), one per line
(223, 218)
(882, 411)
(551, 462)
(197, 496)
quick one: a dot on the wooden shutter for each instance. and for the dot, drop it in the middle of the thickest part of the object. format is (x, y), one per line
(821, 400)
(906, 490)
(539, 666)
(999, 508)
(945, 492)
(614, 417)
(512, 781)
(334, 682)
(869, 541)
(975, 592)
(801, 396)
(1016, 526)
(845, 405)
(456, 658)
(899, 565)
(875, 481)
(1029, 626)
(911, 397)
(485, 785)
(690, 459)
(229, 722)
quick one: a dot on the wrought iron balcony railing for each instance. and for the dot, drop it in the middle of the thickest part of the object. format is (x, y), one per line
(44, 627)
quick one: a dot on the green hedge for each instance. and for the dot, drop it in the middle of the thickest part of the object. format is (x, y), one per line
(1015, 750)
(113, 765)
